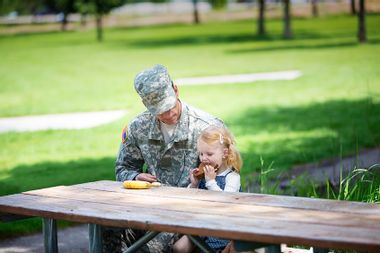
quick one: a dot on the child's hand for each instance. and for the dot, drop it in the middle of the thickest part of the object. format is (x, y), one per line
(193, 179)
(210, 173)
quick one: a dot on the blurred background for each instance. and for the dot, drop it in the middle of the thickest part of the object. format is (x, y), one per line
(296, 81)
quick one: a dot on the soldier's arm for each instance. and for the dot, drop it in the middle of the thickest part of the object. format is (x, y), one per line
(129, 162)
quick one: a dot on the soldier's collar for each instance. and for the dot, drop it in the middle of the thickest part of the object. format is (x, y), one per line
(154, 130)
(182, 130)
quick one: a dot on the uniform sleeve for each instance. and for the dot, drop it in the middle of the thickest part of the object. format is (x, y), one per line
(129, 162)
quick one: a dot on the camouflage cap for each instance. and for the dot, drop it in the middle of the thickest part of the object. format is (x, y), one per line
(154, 86)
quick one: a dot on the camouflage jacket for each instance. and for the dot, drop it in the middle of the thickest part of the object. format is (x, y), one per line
(169, 162)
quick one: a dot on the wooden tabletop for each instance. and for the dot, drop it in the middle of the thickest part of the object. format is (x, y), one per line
(242, 216)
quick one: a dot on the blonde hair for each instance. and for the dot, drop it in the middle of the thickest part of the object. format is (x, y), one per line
(223, 136)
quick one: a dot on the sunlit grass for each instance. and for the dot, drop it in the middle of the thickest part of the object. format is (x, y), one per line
(331, 110)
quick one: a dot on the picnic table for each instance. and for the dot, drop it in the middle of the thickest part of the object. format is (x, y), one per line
(249, 218)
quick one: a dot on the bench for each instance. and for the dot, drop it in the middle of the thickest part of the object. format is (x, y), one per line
(249, 219)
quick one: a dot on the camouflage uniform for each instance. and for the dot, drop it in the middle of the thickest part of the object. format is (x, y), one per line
(169, 162)
(144, 144)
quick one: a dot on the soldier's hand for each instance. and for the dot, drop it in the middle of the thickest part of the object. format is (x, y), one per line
(146, 177)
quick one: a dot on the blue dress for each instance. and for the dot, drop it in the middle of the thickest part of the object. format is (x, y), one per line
(216, 244)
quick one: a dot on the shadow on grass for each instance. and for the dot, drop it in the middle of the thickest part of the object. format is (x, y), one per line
(296, 135)
(28, 177)
(303, 40)
(207, 39)
(313, 45)
(296, 46)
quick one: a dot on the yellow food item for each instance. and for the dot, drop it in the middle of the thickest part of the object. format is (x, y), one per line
(136, 184)
(156, 184)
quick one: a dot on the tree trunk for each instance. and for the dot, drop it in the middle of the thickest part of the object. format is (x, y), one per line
(195, 12)
(287, 26)
(64, 22)
(83, 19)
(314, 8)
(261, 20)
(353, 8)
(99, 28)
(362, 34)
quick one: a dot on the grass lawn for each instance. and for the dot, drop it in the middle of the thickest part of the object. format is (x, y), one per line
(333, 109)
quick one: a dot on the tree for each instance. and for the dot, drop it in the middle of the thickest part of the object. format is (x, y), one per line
(27, 7)
(195, 12)
(66, 7)
(287, 25)
(314, 8)
(100, 8)
(353, 8)
(261, 19)
(362, 34)
(218, 4)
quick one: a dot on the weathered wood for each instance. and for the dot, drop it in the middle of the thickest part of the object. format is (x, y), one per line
(238, 216)
(245, 198)
(197, 207)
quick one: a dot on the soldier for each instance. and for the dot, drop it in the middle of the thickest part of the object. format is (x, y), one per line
(164, 139)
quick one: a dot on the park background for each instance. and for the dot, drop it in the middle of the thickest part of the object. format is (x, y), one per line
(330, 112)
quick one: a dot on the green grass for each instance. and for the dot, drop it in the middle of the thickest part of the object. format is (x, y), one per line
(331, 110)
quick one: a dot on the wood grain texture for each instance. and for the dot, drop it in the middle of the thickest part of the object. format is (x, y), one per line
(243, 216)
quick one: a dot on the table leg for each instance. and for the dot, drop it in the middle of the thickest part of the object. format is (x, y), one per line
(141, 242)
(49, 227)
(201, 244)
(95, 238)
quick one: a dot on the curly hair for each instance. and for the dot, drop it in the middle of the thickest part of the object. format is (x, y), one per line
(221, 135)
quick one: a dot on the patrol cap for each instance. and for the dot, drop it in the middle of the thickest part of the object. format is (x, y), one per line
(154, 86)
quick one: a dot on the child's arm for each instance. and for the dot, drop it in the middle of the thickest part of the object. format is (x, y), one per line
(232, 183)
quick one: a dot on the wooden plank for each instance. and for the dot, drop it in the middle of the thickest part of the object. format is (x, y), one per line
(162, 203)
(231, 227)
(205, 213)
(246, 198)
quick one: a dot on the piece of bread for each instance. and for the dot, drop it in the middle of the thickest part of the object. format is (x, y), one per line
(201, 170)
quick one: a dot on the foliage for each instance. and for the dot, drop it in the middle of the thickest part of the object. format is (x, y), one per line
(359, 185)
(218, 4)
(27, 7)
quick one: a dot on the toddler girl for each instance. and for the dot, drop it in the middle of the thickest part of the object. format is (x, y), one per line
(222, 163)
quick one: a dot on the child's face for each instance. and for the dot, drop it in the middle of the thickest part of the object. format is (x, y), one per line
(211, 153)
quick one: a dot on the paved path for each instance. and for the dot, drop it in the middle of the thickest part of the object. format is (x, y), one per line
(82, 120)
(328, 169)
(77, 120)
(243, 78)
(70, 240)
